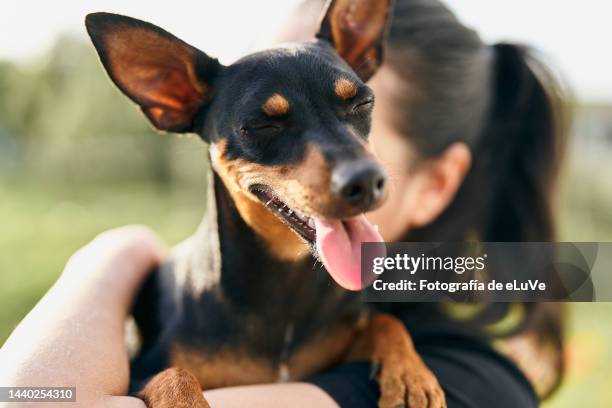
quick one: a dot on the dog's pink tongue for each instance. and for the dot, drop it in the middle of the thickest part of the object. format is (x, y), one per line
(339, 246)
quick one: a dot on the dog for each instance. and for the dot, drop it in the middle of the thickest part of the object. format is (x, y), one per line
(243, 301)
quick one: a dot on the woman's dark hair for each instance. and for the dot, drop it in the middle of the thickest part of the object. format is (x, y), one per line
(500, 101)
(508, 108)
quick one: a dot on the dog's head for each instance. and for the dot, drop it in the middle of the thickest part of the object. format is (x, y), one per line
(287, 127)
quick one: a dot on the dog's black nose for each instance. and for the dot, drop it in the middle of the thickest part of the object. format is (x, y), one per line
(360, 183)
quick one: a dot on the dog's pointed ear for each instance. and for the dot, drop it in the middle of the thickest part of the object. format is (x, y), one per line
(169, 79)
(357, 29)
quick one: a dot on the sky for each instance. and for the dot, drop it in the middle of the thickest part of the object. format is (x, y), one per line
(574, 37)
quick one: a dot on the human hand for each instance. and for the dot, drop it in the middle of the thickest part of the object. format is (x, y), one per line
(74, 336)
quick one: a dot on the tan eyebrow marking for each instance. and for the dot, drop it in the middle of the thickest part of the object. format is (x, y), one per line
(344, 88)
(276, 105)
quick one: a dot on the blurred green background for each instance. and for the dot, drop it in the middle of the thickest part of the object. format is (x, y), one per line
(76, 158)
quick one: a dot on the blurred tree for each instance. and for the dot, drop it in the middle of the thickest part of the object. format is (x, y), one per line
(68, 117)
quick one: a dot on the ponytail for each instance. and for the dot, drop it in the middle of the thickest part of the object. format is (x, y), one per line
(524, 140)
(525, 137)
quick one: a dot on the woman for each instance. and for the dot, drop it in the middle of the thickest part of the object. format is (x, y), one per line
(470, 136)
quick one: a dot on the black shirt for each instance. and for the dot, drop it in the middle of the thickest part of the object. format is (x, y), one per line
(471, 372)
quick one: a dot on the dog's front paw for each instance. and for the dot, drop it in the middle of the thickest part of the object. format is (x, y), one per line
(173, 388)
(406, 382)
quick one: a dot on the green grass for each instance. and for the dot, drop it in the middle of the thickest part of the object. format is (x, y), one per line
(41, 226)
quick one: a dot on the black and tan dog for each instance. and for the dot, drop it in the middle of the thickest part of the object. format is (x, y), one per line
(244, 300)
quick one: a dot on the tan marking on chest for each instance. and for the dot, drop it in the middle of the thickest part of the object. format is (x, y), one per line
(325, 350)
(223, 369)
(232, 368)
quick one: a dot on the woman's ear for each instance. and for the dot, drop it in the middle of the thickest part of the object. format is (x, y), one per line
(438, 182)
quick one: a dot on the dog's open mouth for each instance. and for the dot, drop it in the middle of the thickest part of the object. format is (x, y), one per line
(297, 220)
(337, 242)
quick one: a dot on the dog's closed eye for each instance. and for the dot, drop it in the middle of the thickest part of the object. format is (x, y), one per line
(261, 129)
(364, 105)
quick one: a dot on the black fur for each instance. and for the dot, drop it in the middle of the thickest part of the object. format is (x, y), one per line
(249, 304)
(223, 288)
(304, 74)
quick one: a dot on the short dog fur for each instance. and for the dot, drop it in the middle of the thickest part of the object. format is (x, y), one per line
(244, 301)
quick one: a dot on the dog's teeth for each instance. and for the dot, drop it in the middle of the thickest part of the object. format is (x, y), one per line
(290, 211)
(269, 202)
(311, 223)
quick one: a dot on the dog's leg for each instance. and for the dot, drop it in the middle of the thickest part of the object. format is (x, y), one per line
(405, 380)
(173, 388)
